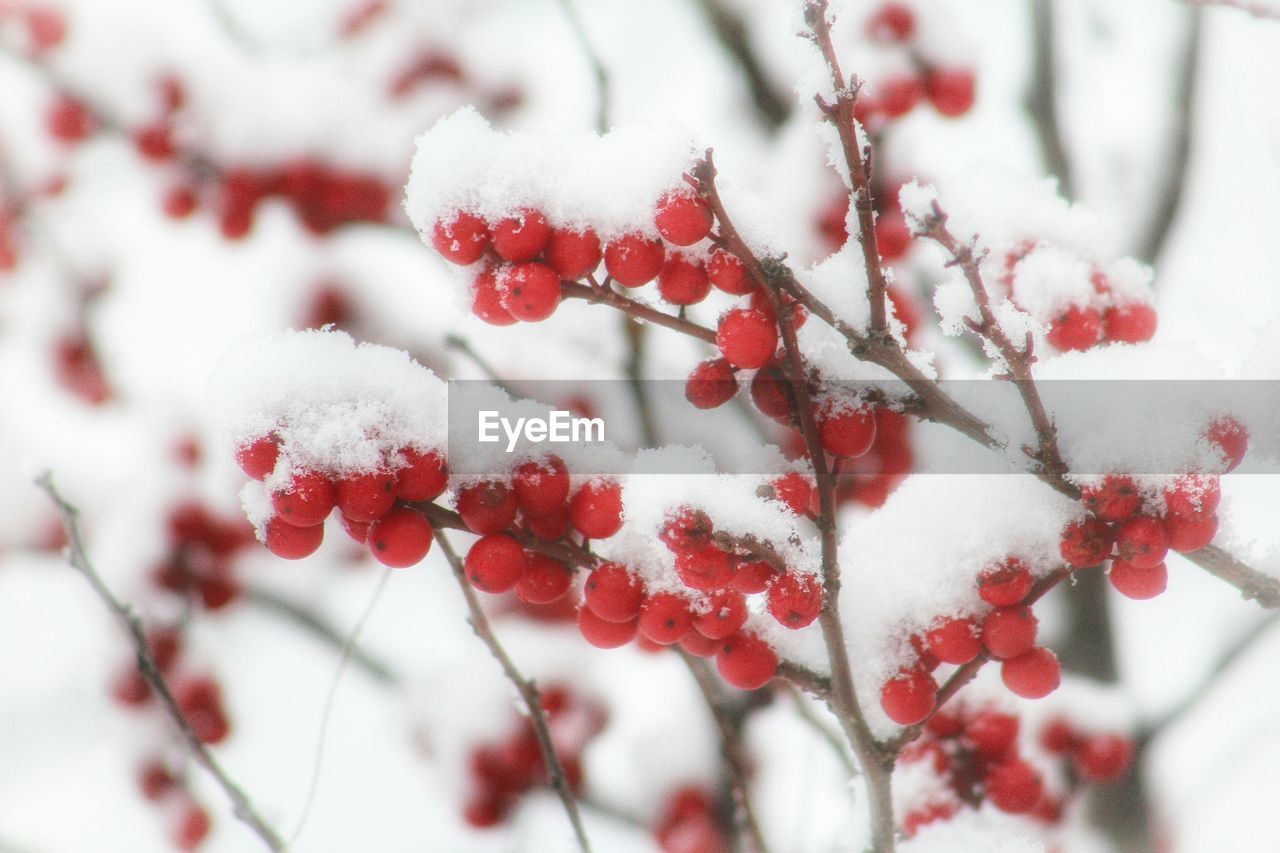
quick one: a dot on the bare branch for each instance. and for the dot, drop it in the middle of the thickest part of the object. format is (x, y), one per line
(132, 625)
(604, 85)
(772, 106)
(576, 290)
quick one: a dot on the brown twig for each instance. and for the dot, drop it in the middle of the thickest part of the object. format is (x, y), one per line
(575, 290)
(527, 689)
(773, 107)
(731, 751)
(132, 625)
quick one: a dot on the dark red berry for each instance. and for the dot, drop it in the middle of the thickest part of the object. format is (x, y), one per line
(1033, 675)
(366, 496)
(604, 634)
(712, 383)
(613, 593)
(573, 254)
(847, 431)
(1086, 543)
(908, 697)
(1009, 631)
(596, 509)
(683, 282)
(200, 700)
(1137, 582)
(1116, 498)
(665, 617)
(401, 538)
(746, 337)
(728, 274)
(752, 576)
(795, 599)
(686, 530)
(306, 501)
(541, 486)
(1006, 583)
(707, 570)
(530, 291)
(726, 613)
(258, 458)
(424, 476)
(462, 239)
(683, 218)
(487, 507)
(521, 237)
(545, 579)
(1190, 533)
(495, 563)
(955, 640)
(1142, 542)
(486, 299)
(746, 661)
(632, 260)
(1232, 438)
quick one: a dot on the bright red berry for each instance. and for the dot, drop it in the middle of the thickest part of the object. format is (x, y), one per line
(573, 254)
(1193, 495)
(1009, 631)
(1134, 323)
(545, 579)
(1104, 758)
(306, 501)
(1076, 329)
(686, 530)
(846, 431)
(1142, 542)
(1006, 583)
(1116, 498)
(486, 299)
(683, 218)
(604, 634)
(712, 383)
(892, 22)
(462, 239)
(1014, 786)
(665, 617)
(795, 599)
(955, 640)
(795, 491)
(495, 563)
(487, 507)
(1190, 533)
(1086, 543)
(908, 697)
(596, 509)
(521, 237)
(699, 646)
(746, 337)
(746, 661)
(1232, 438)
(530, 291)
(728, 274)
(993, 735)
(632, 260)
(366, 496)
(613, 593)
(1033, 675)
(401, 538)
(726, 612)
(951, 90)
(707, 570)
(192, 827)
(257, 458)
(292, 543)
(683, 282)
(1138, 583)
(752, 576)
(424, 476)
(541, 486)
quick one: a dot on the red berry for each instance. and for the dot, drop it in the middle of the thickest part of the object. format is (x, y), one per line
(951, 90)
(1190, 533)
(908, 697)
(1086, 543)
(179, 202)
(686, 530)
(604, 634)
(357, 530)
(761, 301)
(846, 430)
(258, 457)
(70, 121)
(521, 237)
(728, 274)
(46, 27)
(899, 95)
(683, 218)
(955, 640)
(795, 599)
(366, 496)
(1014, 786)
(892, 22)
(665, 617)
(165, 644)
(530, 292)
(200, 700)
(725, 614)
(770, 389)
(746, 337)
(1134, 323)
(545, 579)
(993, 735)
(752, 576)
(1116, 498)
(487, 507)
(746, 661)
(699, 646)
(633, 260)
(573, 254)
(712, 383)
(683, 282)
(795, 491)
(154, 141)
(1193, 496)
(1076, 329)
(541, 486)
(292, 543)
(893, 236)
(707, 570)
(945, 724)
(1104, 758)
(1058, 736)
(424, 476)
(1232, 438)
(495, 563)
(1138, 583)
(1033, 675)
(1009, 631)
(218, 591)
(551, 526)
(461, 240)
(1005, 584)
(192, 827)
(486, 302)
(596, 509)
(401, 538)
(613, 593)
(131, 689)
(1143, 542)
(306, 501)
(155, 780)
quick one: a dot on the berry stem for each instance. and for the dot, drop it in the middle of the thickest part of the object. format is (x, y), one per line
(640, 311)
(527, 689)
(128, 620)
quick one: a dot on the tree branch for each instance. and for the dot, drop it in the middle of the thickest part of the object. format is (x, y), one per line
(575, 290)
(1042, 99)
(772, 107)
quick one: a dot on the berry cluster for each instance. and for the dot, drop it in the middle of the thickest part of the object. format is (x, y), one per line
(950, 90)
(323, 196)
(202, 548)
(503, 771)
(1006, 632)
(688, 824)
(371, 504)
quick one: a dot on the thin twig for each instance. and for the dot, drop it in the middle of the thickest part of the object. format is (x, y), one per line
(636, 333)
(132, 625)
(574, 290)
(735, 762)
(528, 693)
(1042, 99)
(773, 107)
(604, 85)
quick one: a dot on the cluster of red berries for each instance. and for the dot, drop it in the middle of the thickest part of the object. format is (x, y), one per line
(44, 27)
(1006, 633)
(687, 824)
(872, 477)
(323, 196)
(200, 557)
(372, 504)
(503, 771)
(191, 821)
(950, 90)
